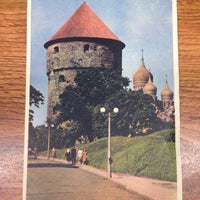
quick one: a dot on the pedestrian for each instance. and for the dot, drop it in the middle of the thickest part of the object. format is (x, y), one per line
(29, 151)
(73, 155)
(68, 156)
(84, 157)
(35, 151)
(53, 153)
(79, 156)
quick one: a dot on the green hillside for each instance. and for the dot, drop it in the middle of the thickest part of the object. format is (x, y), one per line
(148, 156)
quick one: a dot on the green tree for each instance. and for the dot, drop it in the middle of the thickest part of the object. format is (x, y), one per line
(95, 88)
(92, 88)
(65, 135)
(136, 114)
(36, 99)
(40, 137)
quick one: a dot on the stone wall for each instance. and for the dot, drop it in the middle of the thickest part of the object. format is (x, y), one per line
(57, 82)
(74, 54)
(64, 58)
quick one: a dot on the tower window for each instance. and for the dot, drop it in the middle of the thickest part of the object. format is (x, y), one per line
(86, 47)
(61, 78)
(54, 110)
(56, 49)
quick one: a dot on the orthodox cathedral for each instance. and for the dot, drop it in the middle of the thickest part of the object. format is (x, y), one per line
(84, 41)
(143, 80)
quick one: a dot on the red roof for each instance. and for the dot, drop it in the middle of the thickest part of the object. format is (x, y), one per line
(84, 23)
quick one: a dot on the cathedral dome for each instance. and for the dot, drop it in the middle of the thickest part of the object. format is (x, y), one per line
(166, 92)
(150, 88)
(142, 74)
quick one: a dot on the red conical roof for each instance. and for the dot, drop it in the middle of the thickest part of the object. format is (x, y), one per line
(84, 23)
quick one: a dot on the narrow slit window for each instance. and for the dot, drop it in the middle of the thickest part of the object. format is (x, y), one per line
(86, 47)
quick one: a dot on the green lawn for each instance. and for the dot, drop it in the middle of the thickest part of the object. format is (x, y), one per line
(148, 156)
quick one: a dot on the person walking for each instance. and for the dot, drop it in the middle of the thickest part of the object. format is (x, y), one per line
(80, 156)
(68, 156)
(29, 151)
(84, 157)
(73, 155)
(53, 153)
(35, 151)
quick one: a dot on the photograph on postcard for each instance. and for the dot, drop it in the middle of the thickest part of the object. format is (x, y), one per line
(102, 103)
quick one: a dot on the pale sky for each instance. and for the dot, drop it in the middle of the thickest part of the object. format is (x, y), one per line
(140, 24)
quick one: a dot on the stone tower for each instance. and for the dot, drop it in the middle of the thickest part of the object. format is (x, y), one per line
(84, 41)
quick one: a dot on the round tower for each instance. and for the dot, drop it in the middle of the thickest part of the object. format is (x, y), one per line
(84, 41)
(167, 96)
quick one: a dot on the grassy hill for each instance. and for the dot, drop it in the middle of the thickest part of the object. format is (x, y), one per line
(148, 156)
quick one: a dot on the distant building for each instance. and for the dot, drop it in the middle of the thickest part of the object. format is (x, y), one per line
(143, 80)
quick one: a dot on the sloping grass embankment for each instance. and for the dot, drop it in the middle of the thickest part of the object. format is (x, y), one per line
(147, 156)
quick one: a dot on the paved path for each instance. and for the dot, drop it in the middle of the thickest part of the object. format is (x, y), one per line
(52, 180)
(152, 188)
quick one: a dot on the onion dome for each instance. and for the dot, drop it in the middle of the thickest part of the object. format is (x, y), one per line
(166, 92)
(83, 24)
(150, 88)
(141, 77)
(142, 74)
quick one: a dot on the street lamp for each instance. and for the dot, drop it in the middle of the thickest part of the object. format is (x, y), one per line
(49, 125)
(103, 110)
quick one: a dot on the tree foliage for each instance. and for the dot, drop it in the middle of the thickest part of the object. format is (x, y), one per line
(95, 88)
(92, 88)
(36, 98)
(79, 116)
(39, 138)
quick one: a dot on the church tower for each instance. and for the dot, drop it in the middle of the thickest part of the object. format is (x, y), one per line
(150, 89)
(84, 41)
(167, 96)
(141, 77)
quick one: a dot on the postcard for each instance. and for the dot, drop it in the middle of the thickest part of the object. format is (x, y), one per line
(103, 101)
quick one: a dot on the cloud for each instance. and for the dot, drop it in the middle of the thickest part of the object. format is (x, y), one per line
(147, 18)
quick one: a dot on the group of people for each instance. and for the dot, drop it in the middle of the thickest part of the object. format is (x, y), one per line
(33, 152)
(74, 156)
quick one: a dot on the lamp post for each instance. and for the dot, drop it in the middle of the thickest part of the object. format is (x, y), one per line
(103, 110)
(49, 125)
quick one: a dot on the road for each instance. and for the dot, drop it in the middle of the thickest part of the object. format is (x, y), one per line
(50, 180)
